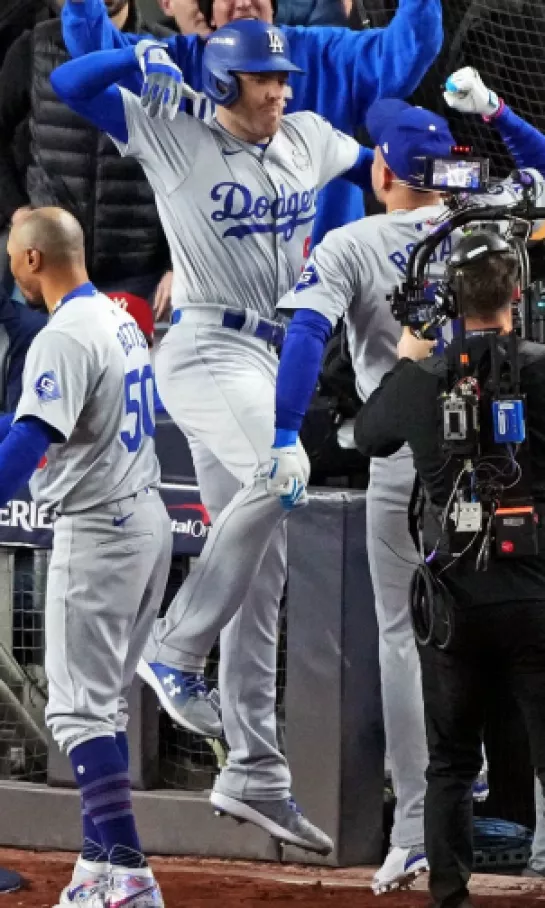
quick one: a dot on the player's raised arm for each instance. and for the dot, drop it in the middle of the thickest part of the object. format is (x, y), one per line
(467, 93)
(88, 85)
(86, 27)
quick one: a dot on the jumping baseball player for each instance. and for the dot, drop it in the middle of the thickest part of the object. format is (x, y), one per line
(237, 199)
(345, 70)
(350, 275)
(87, 408)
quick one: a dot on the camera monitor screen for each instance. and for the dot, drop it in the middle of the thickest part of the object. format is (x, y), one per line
(458, 174)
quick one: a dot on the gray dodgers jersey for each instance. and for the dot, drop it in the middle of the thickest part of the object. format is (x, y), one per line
(354, 269)
(88, 375)
(238, 218)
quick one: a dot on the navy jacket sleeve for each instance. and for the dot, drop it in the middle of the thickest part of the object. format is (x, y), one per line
(22, 325)
(380, 424)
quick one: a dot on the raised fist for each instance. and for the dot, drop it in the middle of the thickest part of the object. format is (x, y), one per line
(465, 91)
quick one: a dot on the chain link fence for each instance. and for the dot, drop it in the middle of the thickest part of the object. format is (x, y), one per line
(503, 40)
(23, 689)
(186, 761)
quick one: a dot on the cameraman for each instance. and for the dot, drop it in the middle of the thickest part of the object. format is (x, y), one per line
(496, 617)
(349, 275)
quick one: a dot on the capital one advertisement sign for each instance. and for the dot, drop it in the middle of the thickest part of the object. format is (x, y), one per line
(23, 522)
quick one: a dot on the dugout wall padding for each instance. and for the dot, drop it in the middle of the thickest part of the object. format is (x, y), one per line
(333, 730)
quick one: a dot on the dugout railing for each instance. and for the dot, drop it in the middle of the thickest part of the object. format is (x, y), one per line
(329, 706)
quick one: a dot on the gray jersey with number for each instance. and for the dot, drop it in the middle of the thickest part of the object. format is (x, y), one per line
(238, 217)
(355, 268)
(88, 375)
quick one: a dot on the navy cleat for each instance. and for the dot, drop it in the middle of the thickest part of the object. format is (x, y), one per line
(183, 695)
(281, 819)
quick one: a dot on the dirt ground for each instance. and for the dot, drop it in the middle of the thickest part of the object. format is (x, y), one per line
(188, 883)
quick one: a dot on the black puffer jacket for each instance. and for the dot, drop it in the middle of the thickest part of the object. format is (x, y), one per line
(73, 165)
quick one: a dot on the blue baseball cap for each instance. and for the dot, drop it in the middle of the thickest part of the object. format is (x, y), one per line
(407, 135)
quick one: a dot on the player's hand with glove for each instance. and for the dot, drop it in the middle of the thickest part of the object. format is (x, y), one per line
(289, 471)
(465, 91)
(164, 85)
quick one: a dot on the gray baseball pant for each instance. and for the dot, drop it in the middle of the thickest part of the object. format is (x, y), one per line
(105, 586)
(219, 387)
(392, 559)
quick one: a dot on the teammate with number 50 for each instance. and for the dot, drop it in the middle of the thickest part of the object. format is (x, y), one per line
(87, 405)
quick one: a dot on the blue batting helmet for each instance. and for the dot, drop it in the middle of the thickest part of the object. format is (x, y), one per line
(243, 46)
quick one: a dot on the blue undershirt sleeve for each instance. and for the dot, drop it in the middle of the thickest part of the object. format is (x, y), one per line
(525, 143)
(360, 173)
(298, 372)
(23, 447)
(88, 86)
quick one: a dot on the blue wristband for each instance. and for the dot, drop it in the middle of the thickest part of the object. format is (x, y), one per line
(285, 438)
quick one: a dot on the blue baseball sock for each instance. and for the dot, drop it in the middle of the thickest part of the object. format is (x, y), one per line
(92, 849)
(101, 773)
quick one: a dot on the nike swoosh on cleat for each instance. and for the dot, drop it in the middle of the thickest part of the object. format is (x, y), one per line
(120, 521)
(226, 151)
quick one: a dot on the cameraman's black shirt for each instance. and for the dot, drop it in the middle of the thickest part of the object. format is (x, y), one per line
(405, 408)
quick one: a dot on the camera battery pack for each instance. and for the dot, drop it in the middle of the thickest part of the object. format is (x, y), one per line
(509, 422)
(516, 532)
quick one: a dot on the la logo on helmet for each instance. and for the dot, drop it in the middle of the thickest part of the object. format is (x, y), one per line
(276, 44)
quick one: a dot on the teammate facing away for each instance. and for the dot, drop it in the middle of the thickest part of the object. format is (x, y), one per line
(349, 276)
(344, 70)
(112, 540)
(237, 198)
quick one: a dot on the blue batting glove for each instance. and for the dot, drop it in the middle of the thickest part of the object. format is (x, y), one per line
(289, 471)
(164, 85)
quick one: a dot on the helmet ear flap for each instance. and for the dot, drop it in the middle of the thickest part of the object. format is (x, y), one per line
(222, 88)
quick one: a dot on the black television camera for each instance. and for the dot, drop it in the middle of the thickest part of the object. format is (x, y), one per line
(410, 302)
(482, 416)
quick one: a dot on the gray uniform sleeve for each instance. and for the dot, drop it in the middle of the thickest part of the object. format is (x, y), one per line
(57, 381)
(331, 279)
(334, 151)
(166, 149)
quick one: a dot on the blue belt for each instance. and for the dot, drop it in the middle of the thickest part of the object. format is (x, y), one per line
(270, 332)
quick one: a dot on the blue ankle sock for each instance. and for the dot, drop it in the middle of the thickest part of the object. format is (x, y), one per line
(101, 773)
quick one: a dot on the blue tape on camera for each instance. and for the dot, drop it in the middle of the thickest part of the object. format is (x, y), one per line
(509, 422)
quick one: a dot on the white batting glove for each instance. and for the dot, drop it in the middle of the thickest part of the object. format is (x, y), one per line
(164, 84)
(288, 476)
(466, 92)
